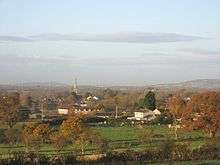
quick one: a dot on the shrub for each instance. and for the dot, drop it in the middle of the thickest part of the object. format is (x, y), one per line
(120, 156)
(181, 152)
(35, 159)
(12, 136)
(70, 159)
(25, 159)
(2, 135)
(151, 154)
(211, 150)
(166, 149)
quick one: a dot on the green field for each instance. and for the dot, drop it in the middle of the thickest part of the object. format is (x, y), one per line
(128, 136)
(124, 137)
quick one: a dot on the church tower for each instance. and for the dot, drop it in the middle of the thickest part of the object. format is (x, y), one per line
(75, 89)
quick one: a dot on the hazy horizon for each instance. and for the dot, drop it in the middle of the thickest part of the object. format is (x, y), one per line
(109, 42)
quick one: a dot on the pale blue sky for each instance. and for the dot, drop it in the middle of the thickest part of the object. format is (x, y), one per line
(117, 42)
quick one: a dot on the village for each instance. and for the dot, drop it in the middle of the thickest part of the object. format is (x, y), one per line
(94, 122)
(55, 109)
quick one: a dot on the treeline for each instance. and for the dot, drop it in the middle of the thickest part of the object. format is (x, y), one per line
(167, 151)
(71, 132)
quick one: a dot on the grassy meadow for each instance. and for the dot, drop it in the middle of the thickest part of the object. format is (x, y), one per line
(121, 138)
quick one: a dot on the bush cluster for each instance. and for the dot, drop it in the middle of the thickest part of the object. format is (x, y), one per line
(10, 136)
(168, 151)
(37, 159)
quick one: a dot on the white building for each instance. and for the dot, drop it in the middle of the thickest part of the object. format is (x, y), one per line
(63, 111)
(92, 98)
(145, 115)
(157, 112)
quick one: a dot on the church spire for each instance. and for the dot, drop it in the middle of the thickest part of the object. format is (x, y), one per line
(75, 86)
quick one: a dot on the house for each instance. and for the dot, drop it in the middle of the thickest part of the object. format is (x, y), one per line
(157, 112)
(63, 111)
(79, 109)
(95, 98)
(34, 116)
(144, 115)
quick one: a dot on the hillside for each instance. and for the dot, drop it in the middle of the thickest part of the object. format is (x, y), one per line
(207, 84)
(195, 84)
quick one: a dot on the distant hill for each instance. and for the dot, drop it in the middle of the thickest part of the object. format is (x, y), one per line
(206, 84)
(41, 84)
(32, 86)
(195, 84)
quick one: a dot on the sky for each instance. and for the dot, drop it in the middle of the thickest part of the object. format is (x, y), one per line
(117, 42)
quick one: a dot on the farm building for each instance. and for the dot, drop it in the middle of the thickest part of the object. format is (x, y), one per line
(145, 115)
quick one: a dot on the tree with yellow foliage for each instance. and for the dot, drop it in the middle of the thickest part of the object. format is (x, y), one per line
(76, 132)
(9, 109)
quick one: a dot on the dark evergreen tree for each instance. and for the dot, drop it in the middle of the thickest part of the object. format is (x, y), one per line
(149, 101)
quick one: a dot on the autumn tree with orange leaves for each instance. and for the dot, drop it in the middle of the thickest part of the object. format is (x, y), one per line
(203, 113)
(75, 131)
(27, 137)
(58, 140)
(9, 109)
(35, 134)
(72, 127)
(42, 132)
